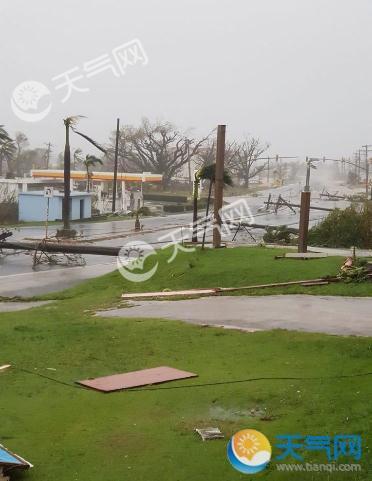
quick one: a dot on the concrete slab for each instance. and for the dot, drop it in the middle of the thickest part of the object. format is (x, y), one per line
(326, 314)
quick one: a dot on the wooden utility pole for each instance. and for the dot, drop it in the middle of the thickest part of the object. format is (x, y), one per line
(305, 211)
(114, 185)
(47, 154)
(304, 221)
(218, 186)
(67, 180)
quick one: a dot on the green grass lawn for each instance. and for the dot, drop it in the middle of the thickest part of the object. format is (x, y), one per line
(240, 266)
(70, 433)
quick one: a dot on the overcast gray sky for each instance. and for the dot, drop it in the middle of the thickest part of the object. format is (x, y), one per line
(296, 73)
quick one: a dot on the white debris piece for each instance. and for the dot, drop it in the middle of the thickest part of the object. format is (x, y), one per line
(209, 433)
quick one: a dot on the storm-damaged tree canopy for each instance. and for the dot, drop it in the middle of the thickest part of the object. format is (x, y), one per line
(161, 148)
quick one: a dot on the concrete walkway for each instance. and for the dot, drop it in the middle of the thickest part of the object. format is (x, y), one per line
(331, 315)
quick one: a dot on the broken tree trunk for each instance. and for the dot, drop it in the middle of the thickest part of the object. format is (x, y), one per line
(62, 248)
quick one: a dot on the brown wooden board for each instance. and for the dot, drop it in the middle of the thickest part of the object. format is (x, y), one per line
(128, 380)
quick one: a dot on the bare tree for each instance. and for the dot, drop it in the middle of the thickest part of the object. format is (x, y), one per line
(160, 148)
(246, 160)
(7, 149)
(21, 142)
(207, 153)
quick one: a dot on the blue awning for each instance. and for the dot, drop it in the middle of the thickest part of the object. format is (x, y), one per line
(8, 459)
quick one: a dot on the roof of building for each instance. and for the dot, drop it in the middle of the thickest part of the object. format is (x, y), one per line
(56, 193)
(82, 175)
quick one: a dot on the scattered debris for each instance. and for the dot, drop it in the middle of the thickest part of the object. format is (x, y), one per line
(329, 196)
(281, 203)
(209, 433)
(128, 380)
(4, 367)
(221, 290)
(5, 234)
(166, 293)
(10, 461)
(355, 270)
(302, 255)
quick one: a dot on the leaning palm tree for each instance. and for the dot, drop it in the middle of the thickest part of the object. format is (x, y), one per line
(208, 172)
(88, 162)
(7, 154)
(4, 136)
(7, 149)
(77, 155)
(70, 123)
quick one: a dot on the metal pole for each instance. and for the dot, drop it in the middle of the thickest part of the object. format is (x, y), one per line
(367, 172)
(307, 184)
(218, 187)
(47, 219)
(48, 154)
(115, 166)
(195, 209)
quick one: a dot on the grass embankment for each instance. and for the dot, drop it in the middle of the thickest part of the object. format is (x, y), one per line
(241, 266)
(71, 433)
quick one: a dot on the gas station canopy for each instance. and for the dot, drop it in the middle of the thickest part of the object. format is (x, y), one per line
(98, 176)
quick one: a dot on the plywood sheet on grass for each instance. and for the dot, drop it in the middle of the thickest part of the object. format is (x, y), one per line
(128, 380)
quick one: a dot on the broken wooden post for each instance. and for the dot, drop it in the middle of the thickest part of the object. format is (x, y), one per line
(268, 202)
(218, 186)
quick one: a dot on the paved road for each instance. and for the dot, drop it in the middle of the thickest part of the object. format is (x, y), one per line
(331, 315)
(33, 283)
(17, 277)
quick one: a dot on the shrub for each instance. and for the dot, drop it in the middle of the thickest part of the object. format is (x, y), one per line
(8, 206)
(154, 197)
(278, 235)
(345, 228)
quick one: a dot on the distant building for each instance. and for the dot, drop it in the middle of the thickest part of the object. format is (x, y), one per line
(9, 188)
(32, 206)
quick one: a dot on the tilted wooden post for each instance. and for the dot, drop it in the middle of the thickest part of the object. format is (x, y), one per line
(218, 185)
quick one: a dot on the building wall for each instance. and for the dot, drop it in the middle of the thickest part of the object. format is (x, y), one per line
(32, 207)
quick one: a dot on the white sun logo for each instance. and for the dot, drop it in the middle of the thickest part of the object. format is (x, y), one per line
(248, 444)
(25, 101)
(27, 96)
